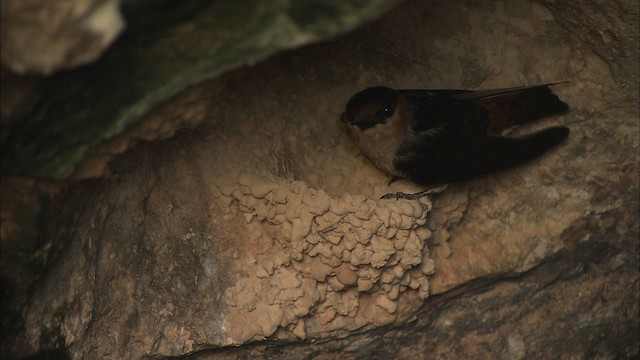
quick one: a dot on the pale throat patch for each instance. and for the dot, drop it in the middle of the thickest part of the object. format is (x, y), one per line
(380, 143)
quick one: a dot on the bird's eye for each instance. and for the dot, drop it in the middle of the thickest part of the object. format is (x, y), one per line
(387, 110)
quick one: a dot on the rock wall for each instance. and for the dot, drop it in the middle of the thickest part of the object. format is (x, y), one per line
(263, 226)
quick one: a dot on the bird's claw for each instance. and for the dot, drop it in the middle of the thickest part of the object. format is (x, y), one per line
(392, 180)
(418, 195)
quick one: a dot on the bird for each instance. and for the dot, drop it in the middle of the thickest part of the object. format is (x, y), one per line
(441, 136)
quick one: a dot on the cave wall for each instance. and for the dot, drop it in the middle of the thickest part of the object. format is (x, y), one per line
(263, 226)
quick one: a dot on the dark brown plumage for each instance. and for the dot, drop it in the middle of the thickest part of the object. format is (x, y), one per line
(441, 136)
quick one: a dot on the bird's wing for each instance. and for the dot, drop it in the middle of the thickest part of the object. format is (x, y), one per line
(488, 154)
(512, 106)
(452, 140)
(443, 129)
(439, 115)
(506, 107)
(481, 94)
(515, 106)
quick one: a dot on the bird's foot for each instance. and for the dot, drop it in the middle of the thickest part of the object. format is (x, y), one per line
(418, 195)
(392, 180)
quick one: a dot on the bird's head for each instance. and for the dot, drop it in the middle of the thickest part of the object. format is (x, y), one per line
(370, 107)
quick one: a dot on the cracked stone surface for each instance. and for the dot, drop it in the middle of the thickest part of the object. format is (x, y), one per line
(263, 226)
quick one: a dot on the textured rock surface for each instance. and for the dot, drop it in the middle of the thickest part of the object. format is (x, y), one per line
(265, 222)
(165, 49)
(43, 36)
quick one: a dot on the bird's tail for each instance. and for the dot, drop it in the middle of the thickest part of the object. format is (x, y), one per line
(503, 152)
(515, 106)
